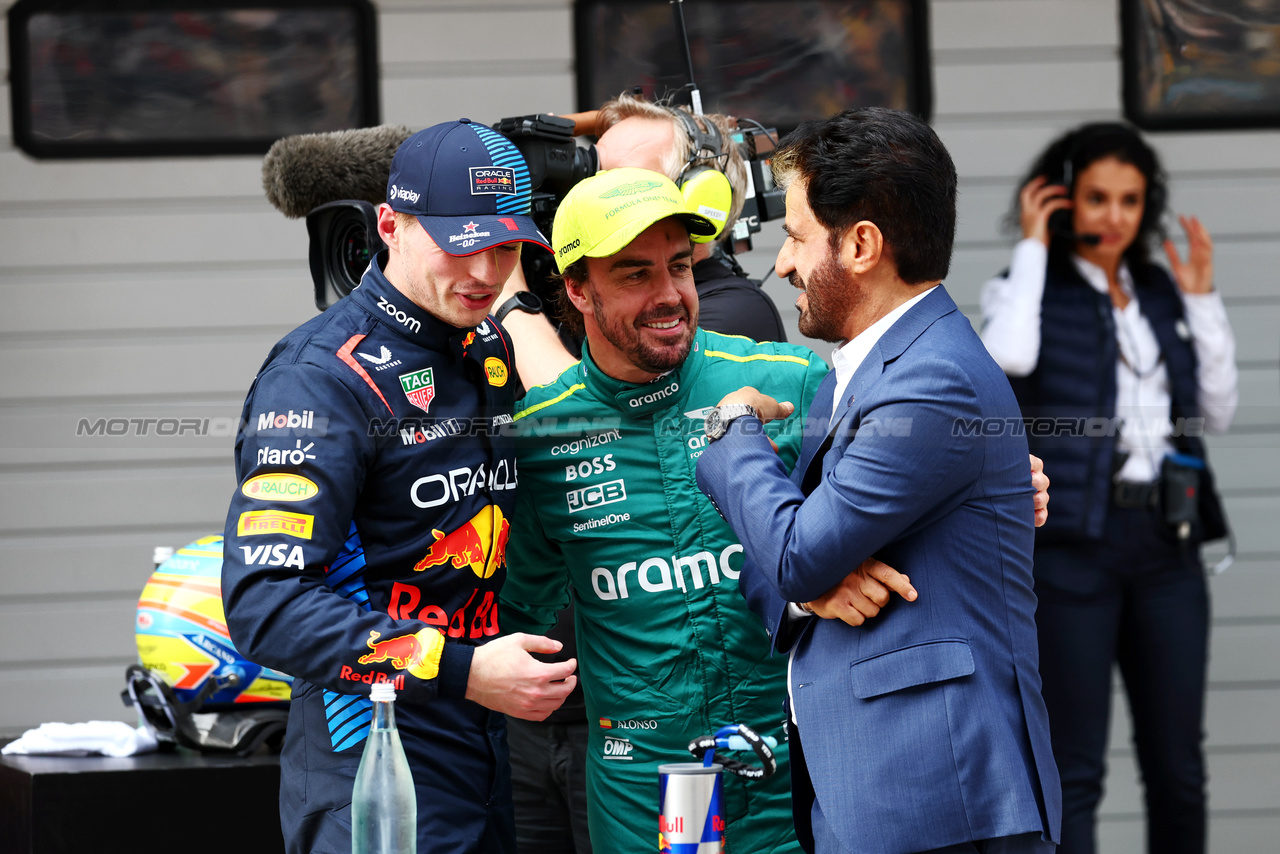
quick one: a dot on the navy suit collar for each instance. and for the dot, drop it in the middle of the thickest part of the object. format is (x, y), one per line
(892, 344)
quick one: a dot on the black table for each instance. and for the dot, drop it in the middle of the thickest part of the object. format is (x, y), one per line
(156, 802)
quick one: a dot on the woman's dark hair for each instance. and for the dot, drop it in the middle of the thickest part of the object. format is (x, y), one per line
(1074, 151)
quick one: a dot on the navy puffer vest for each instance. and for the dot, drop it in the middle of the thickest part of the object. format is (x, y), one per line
(1069, 400)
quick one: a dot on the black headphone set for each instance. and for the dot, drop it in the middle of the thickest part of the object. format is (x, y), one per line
(1060, 222)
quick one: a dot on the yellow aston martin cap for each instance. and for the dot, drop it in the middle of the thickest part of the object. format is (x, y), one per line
(605, 212)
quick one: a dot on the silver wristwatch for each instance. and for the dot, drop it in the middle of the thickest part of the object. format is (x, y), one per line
(717, 420)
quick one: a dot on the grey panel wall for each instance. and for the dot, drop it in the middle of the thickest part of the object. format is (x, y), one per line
(153, 288)
(1009, 76)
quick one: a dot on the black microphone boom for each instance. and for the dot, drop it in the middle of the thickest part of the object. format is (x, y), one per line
(301, 173)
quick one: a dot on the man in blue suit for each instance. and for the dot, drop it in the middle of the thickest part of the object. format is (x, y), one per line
(922, 730)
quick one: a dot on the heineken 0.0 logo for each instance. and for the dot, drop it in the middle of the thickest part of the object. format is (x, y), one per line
(419, 387)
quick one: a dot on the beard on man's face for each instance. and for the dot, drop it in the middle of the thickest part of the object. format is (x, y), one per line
(656, 359)
(831, 296)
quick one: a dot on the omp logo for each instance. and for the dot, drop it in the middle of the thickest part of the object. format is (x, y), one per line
(618, 748)
(291, 420)
(569, 247)
(280, 487)
(408, 321)
(586, 468)
(273, 556)
(254, 523)
(596, 495)
(654, 397)
(656, 574)
(631, 189)
(403, 193)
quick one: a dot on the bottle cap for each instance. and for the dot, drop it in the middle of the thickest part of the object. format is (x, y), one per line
(382, 692)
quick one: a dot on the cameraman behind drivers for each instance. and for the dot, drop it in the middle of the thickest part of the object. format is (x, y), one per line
(684, 147)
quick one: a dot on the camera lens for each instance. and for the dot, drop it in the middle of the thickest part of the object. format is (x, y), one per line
(350, 251)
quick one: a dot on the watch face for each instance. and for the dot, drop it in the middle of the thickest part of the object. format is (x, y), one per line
(713, 426)
(528, 301)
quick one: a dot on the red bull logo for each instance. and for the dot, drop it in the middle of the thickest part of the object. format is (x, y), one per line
(467, 621)
(480, 543)
(418, 653)
(401, 651)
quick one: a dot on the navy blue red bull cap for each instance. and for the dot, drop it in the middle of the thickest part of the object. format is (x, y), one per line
(468, 186)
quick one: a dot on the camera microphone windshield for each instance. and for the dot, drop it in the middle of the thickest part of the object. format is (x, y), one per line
(303, 172)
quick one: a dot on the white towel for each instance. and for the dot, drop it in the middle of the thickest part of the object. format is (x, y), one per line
(109, 738)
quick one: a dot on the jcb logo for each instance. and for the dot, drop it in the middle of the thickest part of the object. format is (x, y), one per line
(598, 495)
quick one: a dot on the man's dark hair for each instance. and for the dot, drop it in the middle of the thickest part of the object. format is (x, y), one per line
(881, 165)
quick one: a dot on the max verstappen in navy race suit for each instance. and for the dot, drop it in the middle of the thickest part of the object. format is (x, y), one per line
(366, 541)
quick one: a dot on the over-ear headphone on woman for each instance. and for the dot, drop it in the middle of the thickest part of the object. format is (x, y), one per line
(1092, 142)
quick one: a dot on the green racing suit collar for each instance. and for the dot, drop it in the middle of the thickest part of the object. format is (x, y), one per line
(645, 398)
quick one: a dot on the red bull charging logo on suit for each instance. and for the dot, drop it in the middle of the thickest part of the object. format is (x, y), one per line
(479, 544)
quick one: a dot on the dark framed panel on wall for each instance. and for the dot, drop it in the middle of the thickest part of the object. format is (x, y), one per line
(779, 62)
(135, 78)
(1191, 64)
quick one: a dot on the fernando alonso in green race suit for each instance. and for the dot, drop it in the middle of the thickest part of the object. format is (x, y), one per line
(608, 506)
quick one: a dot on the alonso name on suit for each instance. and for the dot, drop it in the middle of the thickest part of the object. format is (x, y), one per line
(924, 729)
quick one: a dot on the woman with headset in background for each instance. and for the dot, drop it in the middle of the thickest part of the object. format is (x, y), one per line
(1119, 368)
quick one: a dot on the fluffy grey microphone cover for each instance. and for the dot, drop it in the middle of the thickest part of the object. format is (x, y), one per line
(305, 171)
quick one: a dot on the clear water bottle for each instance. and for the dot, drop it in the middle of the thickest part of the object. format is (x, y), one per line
(384, 808)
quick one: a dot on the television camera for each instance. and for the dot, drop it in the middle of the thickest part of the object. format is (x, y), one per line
(343, 233)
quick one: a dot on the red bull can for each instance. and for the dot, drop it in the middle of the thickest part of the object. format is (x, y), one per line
(691, 820)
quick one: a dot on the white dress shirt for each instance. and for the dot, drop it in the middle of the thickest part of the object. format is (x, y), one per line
(1011, 333)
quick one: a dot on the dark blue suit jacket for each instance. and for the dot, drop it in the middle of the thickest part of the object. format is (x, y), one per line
(925, 726)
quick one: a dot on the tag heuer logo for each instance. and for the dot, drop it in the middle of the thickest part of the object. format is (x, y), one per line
(419, 387)
(631, 189)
